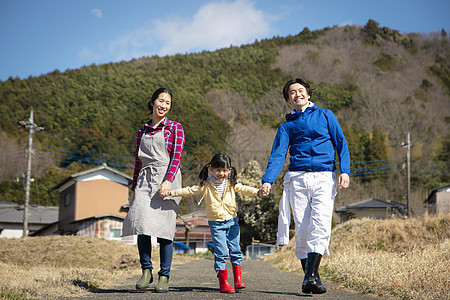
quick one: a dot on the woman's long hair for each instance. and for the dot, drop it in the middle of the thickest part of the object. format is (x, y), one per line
(218, 161)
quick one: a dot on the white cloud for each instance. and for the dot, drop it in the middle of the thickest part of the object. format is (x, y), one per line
(345, 23)
(87, 55)
(97, 13)
(216, 25)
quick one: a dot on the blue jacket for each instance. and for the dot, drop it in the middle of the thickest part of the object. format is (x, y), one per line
(313, 136)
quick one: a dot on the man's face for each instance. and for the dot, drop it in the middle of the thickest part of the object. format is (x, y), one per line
(298, 96)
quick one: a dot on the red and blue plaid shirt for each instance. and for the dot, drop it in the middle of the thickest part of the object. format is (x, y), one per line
(174, 137)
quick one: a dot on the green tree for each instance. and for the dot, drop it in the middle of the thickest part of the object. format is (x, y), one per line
(258, 216)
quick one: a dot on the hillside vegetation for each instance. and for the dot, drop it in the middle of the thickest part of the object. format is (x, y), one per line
(393, 258)
(380, 83)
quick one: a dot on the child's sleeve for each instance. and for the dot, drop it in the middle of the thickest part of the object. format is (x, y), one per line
(246, 190)
(187, 191)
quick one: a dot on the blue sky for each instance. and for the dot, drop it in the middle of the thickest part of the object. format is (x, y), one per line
(38, 37)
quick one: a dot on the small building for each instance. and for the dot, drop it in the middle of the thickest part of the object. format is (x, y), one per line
(438, 202)
(90, 202)
(199, 238)
(257, 250)
(371, 208)
(42, 220)
(108, 227)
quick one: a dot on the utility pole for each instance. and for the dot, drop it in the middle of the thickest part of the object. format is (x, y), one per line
(408, 174)
(32, 128)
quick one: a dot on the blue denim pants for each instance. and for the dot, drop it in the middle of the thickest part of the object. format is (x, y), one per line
(226, 236)
(144, 243)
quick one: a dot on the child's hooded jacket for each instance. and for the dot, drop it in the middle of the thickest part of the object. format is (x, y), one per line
(217, 209)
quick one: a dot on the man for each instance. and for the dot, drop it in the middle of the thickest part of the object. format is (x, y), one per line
(312, 136)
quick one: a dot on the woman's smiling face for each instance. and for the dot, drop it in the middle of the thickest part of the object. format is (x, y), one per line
(162, 105)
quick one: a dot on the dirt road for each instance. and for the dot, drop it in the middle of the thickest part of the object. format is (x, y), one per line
(196, 280)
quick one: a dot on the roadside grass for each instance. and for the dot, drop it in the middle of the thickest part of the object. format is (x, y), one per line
(62, 266)
(393, 258)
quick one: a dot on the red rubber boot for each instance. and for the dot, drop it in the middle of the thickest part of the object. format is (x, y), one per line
(223, 282)
(238, 284)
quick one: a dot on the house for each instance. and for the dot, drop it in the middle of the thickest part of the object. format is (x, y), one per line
(106, 226)
(438, 202)
(371, 208)
(42, 220)
(198, 237)
(90, 202)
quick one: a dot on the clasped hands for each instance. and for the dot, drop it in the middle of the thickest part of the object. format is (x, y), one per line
(164, 189)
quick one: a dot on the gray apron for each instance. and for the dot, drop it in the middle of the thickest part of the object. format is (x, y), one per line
(149, 213)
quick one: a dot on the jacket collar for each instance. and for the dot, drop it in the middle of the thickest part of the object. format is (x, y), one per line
(294, 114)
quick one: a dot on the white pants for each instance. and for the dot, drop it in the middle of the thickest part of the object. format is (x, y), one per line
(311, 197)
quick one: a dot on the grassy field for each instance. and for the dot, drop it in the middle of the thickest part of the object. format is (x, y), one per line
(393, 258)
(58, 266)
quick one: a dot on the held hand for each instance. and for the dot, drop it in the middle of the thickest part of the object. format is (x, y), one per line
(164, 189)
(344, 181)
(261, 193)
(265, 189)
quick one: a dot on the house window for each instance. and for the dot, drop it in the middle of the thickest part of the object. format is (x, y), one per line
(67, 199)
(115, 233)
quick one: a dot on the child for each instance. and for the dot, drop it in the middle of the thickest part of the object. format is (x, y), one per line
(218, 191)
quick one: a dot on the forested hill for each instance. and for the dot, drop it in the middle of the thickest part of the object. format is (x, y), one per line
(380, 83)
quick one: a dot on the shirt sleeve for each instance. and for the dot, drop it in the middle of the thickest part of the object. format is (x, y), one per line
(246, 190)
(277, 156)
(178, 146)
(187, 191)
(338, 139)
(137, 161)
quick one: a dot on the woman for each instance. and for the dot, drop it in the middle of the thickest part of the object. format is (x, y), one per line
(312, 136)
(159, 146)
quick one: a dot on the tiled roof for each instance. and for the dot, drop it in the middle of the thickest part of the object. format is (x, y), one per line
(107, 216)
(197, 218)
(100, 168)
(373, 203)
(13, 213)
(445, 188)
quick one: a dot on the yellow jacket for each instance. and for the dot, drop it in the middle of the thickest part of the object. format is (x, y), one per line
(217, 209)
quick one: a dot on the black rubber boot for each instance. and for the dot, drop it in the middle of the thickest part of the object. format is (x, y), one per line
(311, 282)
(322, 288)
(303, 261)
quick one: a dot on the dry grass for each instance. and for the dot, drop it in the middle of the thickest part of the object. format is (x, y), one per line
(62, 266)
(393, 258)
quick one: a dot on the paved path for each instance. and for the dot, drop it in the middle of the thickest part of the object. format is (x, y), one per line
(196, 280)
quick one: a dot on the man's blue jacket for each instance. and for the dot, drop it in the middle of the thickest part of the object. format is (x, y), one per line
(312, 138)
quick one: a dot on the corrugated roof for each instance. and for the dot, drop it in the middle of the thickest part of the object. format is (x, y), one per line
(13, 213)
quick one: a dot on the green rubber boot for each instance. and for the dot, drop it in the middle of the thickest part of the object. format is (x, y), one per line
(145, 280)
(163, 284)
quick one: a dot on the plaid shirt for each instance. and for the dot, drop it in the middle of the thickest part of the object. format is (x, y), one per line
(174, 137)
